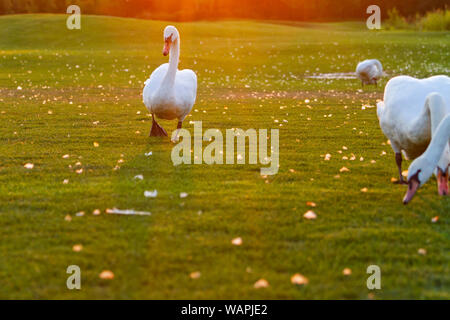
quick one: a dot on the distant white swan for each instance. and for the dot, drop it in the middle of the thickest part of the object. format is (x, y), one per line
(369, 71)
(408, 118)
(422, 168)
(170, 93)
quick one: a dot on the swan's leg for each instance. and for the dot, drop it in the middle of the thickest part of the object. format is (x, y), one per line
(180, 124)
(157, 130)
(398, 160)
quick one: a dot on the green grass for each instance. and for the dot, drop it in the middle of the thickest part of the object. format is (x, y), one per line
(246, 71)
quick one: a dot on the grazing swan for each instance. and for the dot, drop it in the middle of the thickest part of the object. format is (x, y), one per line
(369, 71)
(422, 168)
(170, 93)
(407, 117)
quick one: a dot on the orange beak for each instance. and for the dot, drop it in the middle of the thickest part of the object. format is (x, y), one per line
(442, 180)
(413, 185)
(166, 48)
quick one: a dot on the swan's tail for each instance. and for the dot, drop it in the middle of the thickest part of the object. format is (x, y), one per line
(380, 109)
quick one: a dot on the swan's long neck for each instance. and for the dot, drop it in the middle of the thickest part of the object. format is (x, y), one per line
(439, 141)
(437, 110)
(174, 57)
(380, 67)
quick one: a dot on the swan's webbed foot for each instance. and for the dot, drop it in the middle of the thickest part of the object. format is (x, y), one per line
(157, 130)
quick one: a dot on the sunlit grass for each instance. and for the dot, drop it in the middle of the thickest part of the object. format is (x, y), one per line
(61, 91)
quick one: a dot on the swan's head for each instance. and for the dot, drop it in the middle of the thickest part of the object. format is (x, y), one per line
(442, 180)
(170, 36)
(419, 172)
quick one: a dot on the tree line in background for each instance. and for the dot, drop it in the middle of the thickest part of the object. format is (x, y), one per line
(188, 10)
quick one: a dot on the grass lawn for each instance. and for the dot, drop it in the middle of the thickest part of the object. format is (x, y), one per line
(63, 90)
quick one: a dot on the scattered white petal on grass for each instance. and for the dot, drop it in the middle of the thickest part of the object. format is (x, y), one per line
(106, 275)
(77, 248)
(195, 275)
(29, 166)
(435, 219)
(79, 214)
(19, 88)
(344, 169)
(183, 195)
(96, 144)
(68, 218)
(310, 215)
(139, 177)
(310, 204)
(347, 271)
(147, 154)
(261, 283)
(66, 156)
(327, 157)
(127, 212)
(79, 171)
(364, 189)
(405, 173)
(299, 279)
(96, 212)
(237, 241)
(422, 251)
(150, 194)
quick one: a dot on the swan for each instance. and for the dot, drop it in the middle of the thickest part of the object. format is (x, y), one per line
(170, 93)
(407, 117)
(422, 168)
(369, 71)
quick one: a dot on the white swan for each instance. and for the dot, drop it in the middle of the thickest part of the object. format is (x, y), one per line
(170, 93)
(422, 168)
(408, 118)
(369, 71)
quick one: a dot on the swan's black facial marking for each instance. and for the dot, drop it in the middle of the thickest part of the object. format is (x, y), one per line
(414, 177)
(169, 38)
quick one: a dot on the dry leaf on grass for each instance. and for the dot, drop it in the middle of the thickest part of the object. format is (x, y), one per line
(435, 219)
(77, 248)
(310, 204)
(364, 189)
(96, 212)
(344, 169)
(310, 215)
(237, 241)
(299, 279)
(106, 275)
(96, 144)
(347, 271)
(422, 251)
(261, 283)
(195, 275)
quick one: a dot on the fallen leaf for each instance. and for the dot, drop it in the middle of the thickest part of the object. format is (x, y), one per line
(344, 169)
(195, 275)
(261, 283)
(96, 144)
(68, 218)
(237, 241)
(435, 219)
(394, 179)
(364, 189)
(77, 248)
(311, 204)
(405, 173)
(106, 275)
(299, 279)
(96, 212)
(150, 194)
(422, 251)
(347, 271)
(79, 214)
(127, 212)
(310, 215)
(29, 166)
